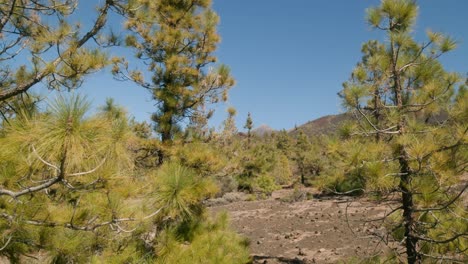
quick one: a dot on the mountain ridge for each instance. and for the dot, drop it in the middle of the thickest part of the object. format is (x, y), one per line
(327, 124)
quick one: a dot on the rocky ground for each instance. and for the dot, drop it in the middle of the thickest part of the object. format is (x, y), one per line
(312, 230)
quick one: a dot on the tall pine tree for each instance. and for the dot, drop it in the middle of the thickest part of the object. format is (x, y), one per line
(404, 100)
(249, 125)
(176, 40)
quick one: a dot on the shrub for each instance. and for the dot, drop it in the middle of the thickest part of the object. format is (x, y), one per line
(212, 242)
(265, 184)
(180, 191)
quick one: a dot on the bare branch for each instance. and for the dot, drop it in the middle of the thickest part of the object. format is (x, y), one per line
(6, 244)
(29, 190)
(90, 171)
(5, 19)
(43, 161)
(377, 130)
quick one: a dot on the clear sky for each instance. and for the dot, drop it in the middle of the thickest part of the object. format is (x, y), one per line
(289, 58)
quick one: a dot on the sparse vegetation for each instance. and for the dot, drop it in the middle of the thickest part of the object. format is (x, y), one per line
(84, 186)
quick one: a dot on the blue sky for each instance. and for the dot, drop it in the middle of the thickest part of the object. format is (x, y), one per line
(289, 58)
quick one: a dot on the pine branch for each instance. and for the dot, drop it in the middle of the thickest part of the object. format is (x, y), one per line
(98, 25)
(88, 228)
(460, 142)
(442, 258)
(445, 241)
(29, 190)
(6, 17)
(442, 207)
(377, 130)
(418, 55)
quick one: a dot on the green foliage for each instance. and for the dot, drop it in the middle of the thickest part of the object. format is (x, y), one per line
(309, 157)
(179, 191)
(212, 242)
(284, 142)
(201, 157)
(258, 160)
(402, 13)
(141, 129)
(100, 208)
(18, 107)
(264, 184)
(282, 172)
(263, 168)
(75, 250)
(80, 156)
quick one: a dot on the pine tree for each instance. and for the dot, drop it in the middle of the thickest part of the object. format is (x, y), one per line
(176, 40)
(229, 125)
(284, 142)
(198, 125)
(249, 125)
(303, 151)
(403, 98)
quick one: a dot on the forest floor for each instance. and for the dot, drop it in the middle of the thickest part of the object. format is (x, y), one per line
(285, 229)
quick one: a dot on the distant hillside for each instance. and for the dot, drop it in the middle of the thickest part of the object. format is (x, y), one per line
(330, 123)
(323, 125)
(263, 130)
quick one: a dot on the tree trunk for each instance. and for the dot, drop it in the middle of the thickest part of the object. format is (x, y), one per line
(302, 170)
(408, 207)
(377, 112)
(160, 157)
(166, 138)
(411, 241)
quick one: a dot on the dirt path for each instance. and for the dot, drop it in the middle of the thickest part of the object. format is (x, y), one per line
(309, 231)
